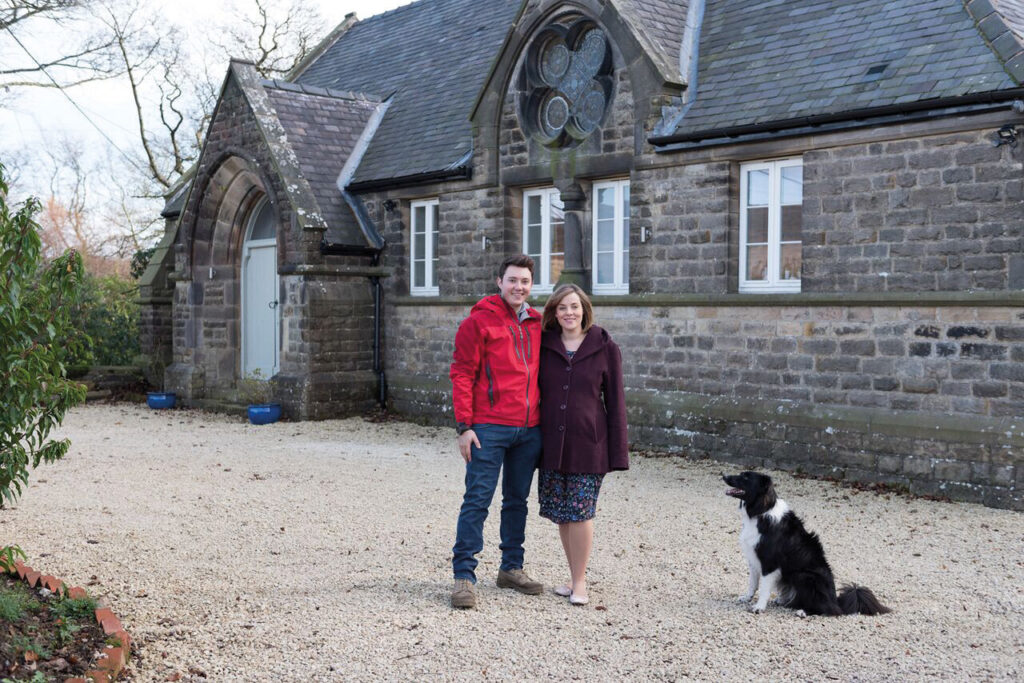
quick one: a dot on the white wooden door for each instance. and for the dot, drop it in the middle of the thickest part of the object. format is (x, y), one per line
(260, 318)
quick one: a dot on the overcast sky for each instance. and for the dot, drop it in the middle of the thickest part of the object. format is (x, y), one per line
(45, 115)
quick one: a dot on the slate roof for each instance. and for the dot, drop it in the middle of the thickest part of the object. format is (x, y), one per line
(774, 60)
(1012, 12)
(322, 127)
(659, 24)
(432, 56)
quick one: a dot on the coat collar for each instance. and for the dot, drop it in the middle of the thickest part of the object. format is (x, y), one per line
(592, 343)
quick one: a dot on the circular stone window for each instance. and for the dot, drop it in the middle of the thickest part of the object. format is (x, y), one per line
(566, 83)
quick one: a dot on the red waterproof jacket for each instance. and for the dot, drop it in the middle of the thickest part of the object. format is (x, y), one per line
(495, 366)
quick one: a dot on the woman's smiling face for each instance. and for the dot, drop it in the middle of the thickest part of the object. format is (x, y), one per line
(570, 313)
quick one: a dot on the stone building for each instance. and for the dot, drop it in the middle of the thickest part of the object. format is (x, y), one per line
(802, 221)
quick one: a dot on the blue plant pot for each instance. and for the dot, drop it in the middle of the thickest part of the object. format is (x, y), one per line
(264, 413)
(160, 400)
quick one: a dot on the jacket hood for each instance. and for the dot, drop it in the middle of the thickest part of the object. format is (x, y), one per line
(495, 304)
(597, 339)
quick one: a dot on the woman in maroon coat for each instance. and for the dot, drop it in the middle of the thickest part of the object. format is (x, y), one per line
(583, 422)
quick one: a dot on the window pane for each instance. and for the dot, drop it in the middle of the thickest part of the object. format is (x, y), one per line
(533, 241)
(757, 225)
(606, 269)
(605, 235)
(419, 239)
(625, 233)
(789, 262)
(263, 222)
(557, 263)
(757, 262)
(433, 244)
(792, 185)
(791, 231)
(757, 188)
(418, 273)
(557, 208)
(533, 216)
(606, 203)
(557, 235)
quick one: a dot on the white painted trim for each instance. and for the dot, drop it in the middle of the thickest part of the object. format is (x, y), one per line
(620, 246)
(772, 284)
(430, 248)
(542, 279)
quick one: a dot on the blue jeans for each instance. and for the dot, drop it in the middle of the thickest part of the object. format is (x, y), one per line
(516, 450)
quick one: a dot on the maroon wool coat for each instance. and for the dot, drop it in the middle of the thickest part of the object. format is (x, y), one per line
(582, 406)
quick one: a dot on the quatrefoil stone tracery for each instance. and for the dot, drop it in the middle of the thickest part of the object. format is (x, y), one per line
(567, 87)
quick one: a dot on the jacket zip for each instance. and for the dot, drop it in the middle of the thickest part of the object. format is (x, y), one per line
(527, 364)
(490, 383)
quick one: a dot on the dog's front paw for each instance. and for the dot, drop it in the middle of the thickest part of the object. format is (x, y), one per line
(755, 609)
(745, 598)
(802, 614)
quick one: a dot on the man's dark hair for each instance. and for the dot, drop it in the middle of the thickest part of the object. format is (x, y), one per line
(519, 261)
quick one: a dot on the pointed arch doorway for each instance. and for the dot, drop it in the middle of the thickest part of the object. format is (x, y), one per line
(261, 318)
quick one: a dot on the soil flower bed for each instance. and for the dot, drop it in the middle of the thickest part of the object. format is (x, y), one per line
(51, 633)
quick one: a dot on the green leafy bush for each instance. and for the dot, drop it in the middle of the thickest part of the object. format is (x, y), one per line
(38, 335)
(106, 310)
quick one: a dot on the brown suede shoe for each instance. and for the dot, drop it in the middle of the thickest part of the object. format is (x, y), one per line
(464, 594)
(517, 579)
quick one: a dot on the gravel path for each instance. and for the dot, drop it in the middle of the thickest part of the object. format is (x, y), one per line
(320, 552)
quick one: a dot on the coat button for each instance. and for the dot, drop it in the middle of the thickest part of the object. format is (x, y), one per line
(568, 368)
(561, 428)
(565, 387)
(563, 406)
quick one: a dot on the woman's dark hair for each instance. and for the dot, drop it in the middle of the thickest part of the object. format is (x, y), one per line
(550, 321)
(519, 261)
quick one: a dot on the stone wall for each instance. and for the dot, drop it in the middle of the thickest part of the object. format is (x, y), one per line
(936, 213)
(911, 395)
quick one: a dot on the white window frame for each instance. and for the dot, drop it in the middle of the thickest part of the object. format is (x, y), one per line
(430, 248)
(620, 283)
(542, 269)
(773, 283)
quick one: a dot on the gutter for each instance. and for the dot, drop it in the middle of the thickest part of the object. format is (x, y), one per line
(463, 172)
(926, 108)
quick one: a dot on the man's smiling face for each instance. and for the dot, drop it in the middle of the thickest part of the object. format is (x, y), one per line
(515, 286)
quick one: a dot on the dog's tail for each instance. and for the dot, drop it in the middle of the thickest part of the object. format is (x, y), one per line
(854, 599)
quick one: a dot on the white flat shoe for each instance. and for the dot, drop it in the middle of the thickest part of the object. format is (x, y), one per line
(564, 591)
(577, 600)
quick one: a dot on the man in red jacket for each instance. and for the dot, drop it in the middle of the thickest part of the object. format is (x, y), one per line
(497, 413)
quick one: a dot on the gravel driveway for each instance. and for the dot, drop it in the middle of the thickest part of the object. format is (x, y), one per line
(319, 551)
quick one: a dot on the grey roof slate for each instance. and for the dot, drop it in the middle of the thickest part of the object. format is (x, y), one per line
(322, 127)
(1012, 12)
(659, 24)
(432, 56)
(773, 60)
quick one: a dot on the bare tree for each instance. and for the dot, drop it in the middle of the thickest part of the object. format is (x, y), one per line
(275, 38)
(68, 219)
(82, 55)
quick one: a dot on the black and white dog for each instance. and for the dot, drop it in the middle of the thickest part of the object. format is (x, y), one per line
(786, 559)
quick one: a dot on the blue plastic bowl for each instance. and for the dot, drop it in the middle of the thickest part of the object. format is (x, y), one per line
(264, 413)
(160, 400)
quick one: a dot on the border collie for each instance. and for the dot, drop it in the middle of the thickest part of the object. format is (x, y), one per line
(787, 559)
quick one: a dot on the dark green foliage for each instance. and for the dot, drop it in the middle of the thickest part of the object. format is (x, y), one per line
(109, 317)
(140, 260)
(38, 335)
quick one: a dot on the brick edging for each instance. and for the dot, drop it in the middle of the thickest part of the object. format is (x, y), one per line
(111, 666)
